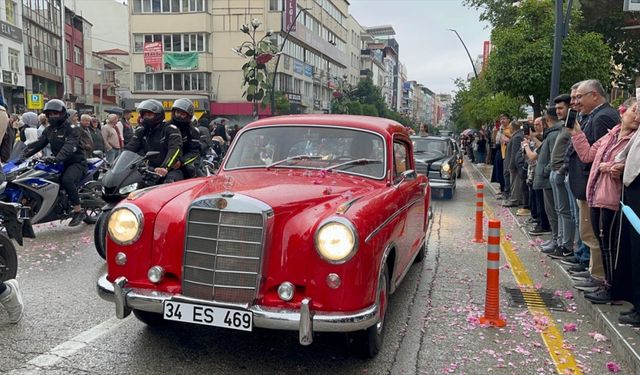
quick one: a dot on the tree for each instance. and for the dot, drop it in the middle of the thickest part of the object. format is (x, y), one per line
(283, 106)
(520, 62)
(255, 74)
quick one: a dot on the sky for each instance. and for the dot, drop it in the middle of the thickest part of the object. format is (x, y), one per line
(433, 56)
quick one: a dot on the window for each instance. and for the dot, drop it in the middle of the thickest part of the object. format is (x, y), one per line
(11, 12)
(188, 81)
(169, 6)
(173, 42)
(400, 161)
(77, 55)
(78, 86)
(14, 60)
(67, 50)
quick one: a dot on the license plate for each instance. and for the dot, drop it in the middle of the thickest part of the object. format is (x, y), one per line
(208, 315)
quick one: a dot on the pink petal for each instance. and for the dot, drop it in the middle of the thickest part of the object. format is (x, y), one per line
(570, 327)
(613, 367)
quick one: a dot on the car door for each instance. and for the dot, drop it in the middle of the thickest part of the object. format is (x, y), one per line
(413, 202)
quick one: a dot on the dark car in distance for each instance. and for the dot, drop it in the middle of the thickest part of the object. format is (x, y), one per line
(438, 158)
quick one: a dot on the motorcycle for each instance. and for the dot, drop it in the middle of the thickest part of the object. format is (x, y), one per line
(36, 184)
(128, 174)
(16, 225)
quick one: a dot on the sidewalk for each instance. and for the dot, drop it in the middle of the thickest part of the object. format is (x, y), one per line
(624, 339)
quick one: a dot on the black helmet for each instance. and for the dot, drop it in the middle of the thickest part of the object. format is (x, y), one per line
(153, 106)
(56, 105)
(185, 105)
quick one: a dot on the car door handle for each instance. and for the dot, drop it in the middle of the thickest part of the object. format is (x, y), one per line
(423, 184)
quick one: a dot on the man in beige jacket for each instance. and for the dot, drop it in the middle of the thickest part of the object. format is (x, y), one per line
(112, 142)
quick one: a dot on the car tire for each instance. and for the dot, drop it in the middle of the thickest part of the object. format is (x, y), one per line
(422, 253)
(100, 234)
(149, 318)
(447, 193)
(94, 189)
(367, 343)
(8, 259)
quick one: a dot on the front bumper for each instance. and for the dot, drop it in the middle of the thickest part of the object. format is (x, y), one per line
(440, 183)
(305, 321)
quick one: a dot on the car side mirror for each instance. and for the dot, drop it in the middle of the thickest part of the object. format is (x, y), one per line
(409, 174)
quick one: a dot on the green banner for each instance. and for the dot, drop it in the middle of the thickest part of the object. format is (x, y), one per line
(181, 61)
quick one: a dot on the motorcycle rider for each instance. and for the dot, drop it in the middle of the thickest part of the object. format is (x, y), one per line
(182, 116)
(156, 135)
(66, 147)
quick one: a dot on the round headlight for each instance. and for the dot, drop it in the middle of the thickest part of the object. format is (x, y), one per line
(125, 224)
(446, 168)
(336, 240)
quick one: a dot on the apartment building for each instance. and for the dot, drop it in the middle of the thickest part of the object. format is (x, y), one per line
(189, 52)
(12, 55)
(77, 40)
(43, 60)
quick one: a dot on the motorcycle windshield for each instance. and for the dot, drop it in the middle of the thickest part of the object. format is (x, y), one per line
(123, 172)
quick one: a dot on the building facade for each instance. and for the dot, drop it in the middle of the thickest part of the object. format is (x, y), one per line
(77, 39)
(12, 55)
(43, 60)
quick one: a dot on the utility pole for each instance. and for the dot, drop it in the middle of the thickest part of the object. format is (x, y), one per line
(561, 32)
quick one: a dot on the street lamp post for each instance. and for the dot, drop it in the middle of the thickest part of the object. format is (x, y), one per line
(275, 69)
(561, 32)
(468, 54)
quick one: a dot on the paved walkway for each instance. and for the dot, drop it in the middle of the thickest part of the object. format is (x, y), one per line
(625, 339)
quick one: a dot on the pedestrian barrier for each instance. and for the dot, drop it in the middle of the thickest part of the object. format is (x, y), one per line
(492, 299)
(479, 211)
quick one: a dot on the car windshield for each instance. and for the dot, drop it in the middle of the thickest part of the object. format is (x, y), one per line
(430, 146)
(311, 147)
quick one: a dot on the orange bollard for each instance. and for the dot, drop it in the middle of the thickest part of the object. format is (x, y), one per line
(492, 299)
(479, 211)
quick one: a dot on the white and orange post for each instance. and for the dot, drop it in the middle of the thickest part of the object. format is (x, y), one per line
(478, 237)
(492, 300)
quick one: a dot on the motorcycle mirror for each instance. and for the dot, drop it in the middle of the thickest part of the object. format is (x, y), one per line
(97, 153)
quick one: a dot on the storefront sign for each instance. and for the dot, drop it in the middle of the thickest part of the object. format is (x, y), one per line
(290, 9)
(35, 101)
(10, 32)
(308, 70)
(198, 104)
(7, 77)
(298, 66)
(294, 98)
(153, 57)
(181, 61)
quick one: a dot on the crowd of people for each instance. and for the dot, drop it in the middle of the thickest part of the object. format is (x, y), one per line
(568, 172)
(61, 135)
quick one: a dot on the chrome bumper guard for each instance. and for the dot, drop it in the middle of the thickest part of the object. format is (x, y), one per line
(305, 321)
(442, 184)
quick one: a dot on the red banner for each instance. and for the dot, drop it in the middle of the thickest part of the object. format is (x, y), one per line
(486, 49)
(153, 57)
(290, 9)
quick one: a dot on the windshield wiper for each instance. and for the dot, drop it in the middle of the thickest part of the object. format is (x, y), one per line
(296, 157)
(352, 163)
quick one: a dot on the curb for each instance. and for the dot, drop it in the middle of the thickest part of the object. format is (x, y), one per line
(624, 339)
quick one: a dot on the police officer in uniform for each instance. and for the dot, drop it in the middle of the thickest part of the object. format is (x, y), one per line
(156, 135)
(182, 116)
(66, 147)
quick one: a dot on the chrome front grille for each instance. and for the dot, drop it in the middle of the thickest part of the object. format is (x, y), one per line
(223, 254)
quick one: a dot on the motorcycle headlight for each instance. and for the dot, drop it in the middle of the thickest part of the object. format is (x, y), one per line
(128, 189)
(125, 224)
(336, 240)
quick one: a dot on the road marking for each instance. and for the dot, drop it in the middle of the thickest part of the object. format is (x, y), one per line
(551, 335)
(70, 347)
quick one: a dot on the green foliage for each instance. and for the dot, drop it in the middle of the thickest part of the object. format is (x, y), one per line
(369, 110)
(283, 106)
(355, 108)
(255, 75)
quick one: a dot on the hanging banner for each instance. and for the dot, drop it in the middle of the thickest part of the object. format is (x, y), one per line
(290, 8)
(486, 49)
(181, 61)
(152, 57)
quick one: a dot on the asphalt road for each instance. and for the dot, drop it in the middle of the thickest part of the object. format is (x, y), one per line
(432, 325)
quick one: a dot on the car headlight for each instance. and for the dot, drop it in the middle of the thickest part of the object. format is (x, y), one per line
(336, 240)
(446, 168)
(128, 189)
(125, 224)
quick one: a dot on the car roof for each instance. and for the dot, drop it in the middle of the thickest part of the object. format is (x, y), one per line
(376, 124)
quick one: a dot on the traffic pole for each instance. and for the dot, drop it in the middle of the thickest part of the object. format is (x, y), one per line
(492, 300)
(479, 212)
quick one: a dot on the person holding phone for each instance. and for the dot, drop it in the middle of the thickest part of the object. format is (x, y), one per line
(603, 192)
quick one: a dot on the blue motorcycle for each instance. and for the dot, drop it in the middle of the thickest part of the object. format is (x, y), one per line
(35, 185)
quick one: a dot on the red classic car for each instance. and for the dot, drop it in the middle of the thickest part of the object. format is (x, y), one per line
(310, 224)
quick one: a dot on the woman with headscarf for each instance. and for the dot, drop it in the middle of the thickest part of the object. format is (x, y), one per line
(28, 134)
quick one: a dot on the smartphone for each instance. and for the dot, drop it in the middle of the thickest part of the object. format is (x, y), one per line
(526, 128)
(570, 122)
